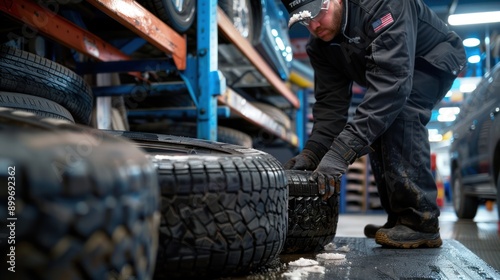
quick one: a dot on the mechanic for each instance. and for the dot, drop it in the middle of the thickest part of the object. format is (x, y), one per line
(407, 59)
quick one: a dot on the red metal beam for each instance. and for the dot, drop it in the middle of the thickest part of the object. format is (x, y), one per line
(136, 18)
(227, 29)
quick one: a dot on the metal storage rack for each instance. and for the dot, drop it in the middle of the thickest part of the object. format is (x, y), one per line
(200, 74)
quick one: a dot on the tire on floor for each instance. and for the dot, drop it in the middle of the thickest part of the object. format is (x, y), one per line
(27, 73)
(77, 203)
(224, 207)
(312, 222)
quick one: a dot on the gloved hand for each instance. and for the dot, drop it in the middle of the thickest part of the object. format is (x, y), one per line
(329, 172)
(306, 160)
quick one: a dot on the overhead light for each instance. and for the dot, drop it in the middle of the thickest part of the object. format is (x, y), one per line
(471, 42)
(473, 59)
(466, 88)
(474, 18)
(446, 118)
(449, 111)
(435, 138)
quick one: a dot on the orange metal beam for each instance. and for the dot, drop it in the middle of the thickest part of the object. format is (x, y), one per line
(43, 20)
(227, 29)
(135, 17)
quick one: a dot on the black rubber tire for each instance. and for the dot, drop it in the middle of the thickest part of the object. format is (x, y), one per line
(275, 113)
(465, 205)
(498, 197)
(86, 203)
(27, 73)
(180, 21)
(224, 207)
(224, 134)
(39, 106)
(312, 222)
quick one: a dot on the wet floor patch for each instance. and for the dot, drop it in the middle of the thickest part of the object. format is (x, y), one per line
(362, 258)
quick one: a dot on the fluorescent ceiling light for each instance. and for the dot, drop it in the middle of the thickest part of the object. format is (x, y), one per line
(435, 138)
(467, 88)
(446, 118)
(474, 59)
(474, 18)
(471, 42)
(449, 111)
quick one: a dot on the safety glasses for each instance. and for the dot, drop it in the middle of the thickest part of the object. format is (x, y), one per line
(324, 8)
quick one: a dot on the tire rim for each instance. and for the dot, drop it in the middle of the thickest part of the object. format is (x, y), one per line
(241, 17)
(182, 7)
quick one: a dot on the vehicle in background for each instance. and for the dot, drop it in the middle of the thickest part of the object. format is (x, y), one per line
(475, 148)
(264, 24)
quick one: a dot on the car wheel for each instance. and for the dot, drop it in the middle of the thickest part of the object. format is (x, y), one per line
(37, 105)
(79, 204)
(242, 15)
(312, 222)
(27, 73)
(465, 205)
(180, 15)
(224, 207)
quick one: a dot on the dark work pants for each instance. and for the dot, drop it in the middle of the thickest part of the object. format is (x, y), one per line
(401, 157)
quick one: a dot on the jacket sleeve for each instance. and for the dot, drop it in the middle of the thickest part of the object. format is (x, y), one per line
(333, 95)
(389, 70)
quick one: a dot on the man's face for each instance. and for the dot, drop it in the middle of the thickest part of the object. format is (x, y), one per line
(329, 25)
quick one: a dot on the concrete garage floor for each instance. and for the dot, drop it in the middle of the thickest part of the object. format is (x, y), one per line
(480, 235)
(471, 250)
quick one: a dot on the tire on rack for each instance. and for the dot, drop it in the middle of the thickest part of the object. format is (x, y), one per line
(224, 207)
(186, 129)
(275, 113)
(312, 223)
(180, 18)
(39, 106)
(85, 203)
(27, 73)
(246, 16)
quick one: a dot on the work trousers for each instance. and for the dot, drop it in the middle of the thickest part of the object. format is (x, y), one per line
(401, 158)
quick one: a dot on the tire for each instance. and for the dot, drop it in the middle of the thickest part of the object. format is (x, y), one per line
(275, 113)
(224, 207)
(86, 204)
(312, 223)
(179, 18)
(224, 134)
(27, 73)
(465, 206)
(39, 106)
(498, 199)
(242, 15)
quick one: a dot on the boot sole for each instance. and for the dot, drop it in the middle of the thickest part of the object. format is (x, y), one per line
(384, 240)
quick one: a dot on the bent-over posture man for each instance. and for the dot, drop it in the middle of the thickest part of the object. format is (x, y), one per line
(407, 59)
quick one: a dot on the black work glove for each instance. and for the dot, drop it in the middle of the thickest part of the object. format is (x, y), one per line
(329, 173)
(306, 160)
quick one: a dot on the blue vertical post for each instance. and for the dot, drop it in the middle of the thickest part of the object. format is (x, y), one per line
(209, 78)
(301, 119)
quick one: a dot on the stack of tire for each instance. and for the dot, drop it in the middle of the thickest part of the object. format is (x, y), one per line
(86, 203)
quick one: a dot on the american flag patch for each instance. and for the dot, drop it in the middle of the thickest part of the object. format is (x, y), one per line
(382, 22)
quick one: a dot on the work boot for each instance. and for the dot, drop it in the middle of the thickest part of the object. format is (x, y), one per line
(401, 236)
(371, 229)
